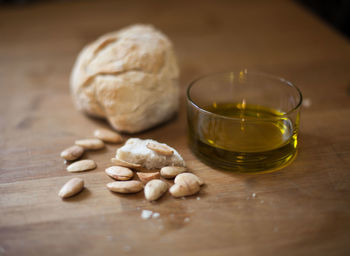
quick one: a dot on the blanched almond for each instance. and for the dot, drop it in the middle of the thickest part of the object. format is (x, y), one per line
(71, 188)
(130, 186)
(72, 153)
(82, 165)
(108, 136)
(91, 144)
(125, 164)
(155, 189)
(179, 190)
(186, 184)
(160, 149)
(147, 176)
(170, 172)
(119, 173)
(188, 178)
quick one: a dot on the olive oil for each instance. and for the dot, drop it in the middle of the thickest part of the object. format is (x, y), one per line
(243, 137)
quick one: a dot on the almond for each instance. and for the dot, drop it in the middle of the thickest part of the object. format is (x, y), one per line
(169, 172)
(108, 136)
(147, 176)
(155, 189)
(179, 190)
(119, 173)
(92, 144)
(186, 184)
(125, 164)
(82, 165)
(188, 178)
(72, 153)
(160, 149)
(71, 188)
(130, 186)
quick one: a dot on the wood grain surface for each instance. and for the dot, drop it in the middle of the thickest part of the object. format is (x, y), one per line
(303, 209)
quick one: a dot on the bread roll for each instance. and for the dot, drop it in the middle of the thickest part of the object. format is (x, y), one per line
(129, 77)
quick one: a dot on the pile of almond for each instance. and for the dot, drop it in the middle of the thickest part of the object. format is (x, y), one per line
(73, 153)
(185, 183)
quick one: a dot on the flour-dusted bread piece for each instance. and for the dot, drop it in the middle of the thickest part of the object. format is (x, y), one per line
(129, 77)
(136, 151)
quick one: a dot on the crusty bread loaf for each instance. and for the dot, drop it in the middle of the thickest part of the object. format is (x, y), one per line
(136, 151)
(129, 77)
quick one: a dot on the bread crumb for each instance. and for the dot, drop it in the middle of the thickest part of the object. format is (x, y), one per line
(146, 214)
(155, 215)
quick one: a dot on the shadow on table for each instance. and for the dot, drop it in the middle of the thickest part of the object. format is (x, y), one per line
(103, 123)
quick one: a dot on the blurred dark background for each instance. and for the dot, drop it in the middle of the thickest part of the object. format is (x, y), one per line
(334, 12)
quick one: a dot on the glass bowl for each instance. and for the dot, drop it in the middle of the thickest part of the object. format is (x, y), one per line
(243, 121)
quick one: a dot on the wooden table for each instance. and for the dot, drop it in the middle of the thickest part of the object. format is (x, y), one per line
(303, 209)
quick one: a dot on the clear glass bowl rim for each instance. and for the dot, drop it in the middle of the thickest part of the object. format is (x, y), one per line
(262, 74)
